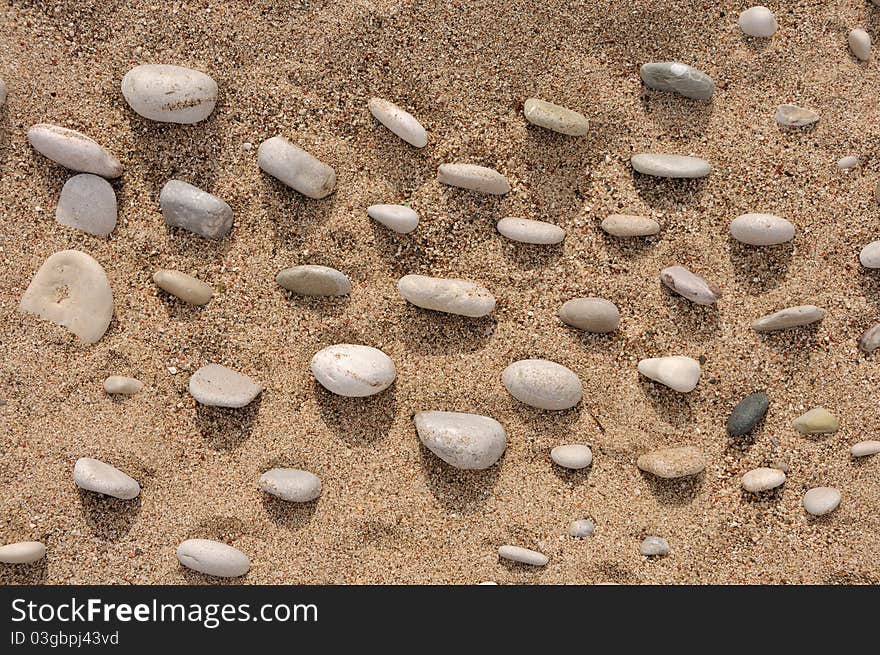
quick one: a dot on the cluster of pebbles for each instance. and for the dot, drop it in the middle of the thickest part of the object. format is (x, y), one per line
(465, 441)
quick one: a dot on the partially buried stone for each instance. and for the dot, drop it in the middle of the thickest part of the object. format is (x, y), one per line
(95, 475)
(214, 385)
(654, 546)
(790, 317)
(449, 295)
(124, 386)
(183, 286)
(817, 421)
(626, 225)
(542, 384)
(572, 456)
(689, 285)
(186, 206)
(169, 94)
(353, 370)
(590, 314)
(671, 166)
(296, 168)
(821, 500)
(22, 552)
(848, 162)
(794, 116)
(761, 229)
(313, 280)
(860, 44)
(870, 340)
(523, 555)
(213, 558)
(869, 257)
(865, 448)
(525, 230)
(762, 479)
(399, 122)
(677, 372)
(676, 462)
(680, 78)
(73, 150)
(747, 413)
(88, 203)
(582, 528)
(398, 218)
(553, 117)
(758, 22)
(293, 485)
(464, 441)
(474, 178)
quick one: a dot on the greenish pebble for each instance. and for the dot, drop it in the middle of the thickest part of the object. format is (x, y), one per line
(817, 421)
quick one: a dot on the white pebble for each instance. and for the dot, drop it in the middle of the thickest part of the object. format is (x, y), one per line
(553, 117)
(689, 285)
(860, 44)
(213, 558)
(543, 384)
(590, 314)
(525, 230)
(761, 229)
(474, 178)
(465, 441)
(572, 456)
(398, 218)
(790, 317)
(95, 475)
(762, 479)
(582, 528)
(453, 296)
(186, 206)
(398, 121)
(296, 168)
(523, 555)
(214, 385)
(353, 370)
(294, 485)
(848, 162)
(654, 546)
(169, 94)
(73, 150)
(22, 552)
(794, 116)
(821, 500)
(865, 448)
(870, 255)
(679, 373)
(672, 166)
(88, 203)
(758, 22)
(119, 384)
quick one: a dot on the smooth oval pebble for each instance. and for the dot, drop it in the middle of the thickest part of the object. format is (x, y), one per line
(680, 78)
(654, 546)
(689, 285)
(95, 475)
(758, 22)
(626, 225)
(869, 256)
(590, 314)
(294, 485)
(213, 558)
(676, 462)
(794, 116)
(870, 340)
(169, 94)
(848, 162)
(183, 286)
(526, 230)
(473, 178)
(399, 122)
(88, 203)
(465, 441)
(672, 166)
(679, 373)
(865, 448)
(572, 456)
(790, 317)
(313, 280)
(353, 370)
(22, 552)
(747, 413)
(543, 384)
(523, 555)
(817, 421)
(296, 168)
(122, 385)
(186, 206)
(762, 479)
(582, 528)
(86, 301)
(461, 297)
(217, 386)
(73, 150)
(553, 117)
(860, 44)
(398, 218)
(821, 500)
(761, 229)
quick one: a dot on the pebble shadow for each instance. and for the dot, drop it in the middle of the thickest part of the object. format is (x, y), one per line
(24, 574)
(320, 305)
(428, 332)
(571, 476)
(770, 263)
(662, 194)
(286, 514)
(770, 497)
(461, 491)
(108, 518)
(671, 405)
(357, 421)
(674, 113)
(681, 491)
(531, 256)
(225, 428)
(292, 215)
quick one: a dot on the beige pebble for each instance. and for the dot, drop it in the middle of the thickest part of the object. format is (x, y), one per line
(590, 314)
(474, 178)
(676, 462)
(22, 552)
(183, 286)
(762, 479)
(119, 384)
(865, 448)
(312, 280)
(553, 117)
(626, 225)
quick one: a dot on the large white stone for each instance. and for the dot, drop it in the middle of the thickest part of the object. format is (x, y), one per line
(465, 441)
(95, 475)
(761, 229)
(543, 384)
(169, 94)
(353, 370)
(186, 206)
(296, 168)
(73, 150)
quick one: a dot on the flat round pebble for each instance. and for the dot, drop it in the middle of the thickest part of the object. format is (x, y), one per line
(188, 207)
(848, 162)
(860, 44)
(654, 546)
(296, 168)
(124, 386)
(313, 280)
(680, 78)
(758, 22)
(790, 317)
(464, 441)
(180, 285)
(870, 340)
(627, 225)
(399, 122)
(353, 370)
(449, 295)
(671, 166)
(572, 456)
(213, 558)
(88, 203)
(553, 117)
(761, 229)
(675, 462)
(747, 413)
(869, 256)
(397, 218)
(794, 116)
(817, 421)
(214, 385)
(294, 485)
(543, 384)
(689, 285)
(865, 448)
(95, 475)
(590, 314)
(473, 178)
(526, 230)
(582, 528)
(169, 94)
(22, 552)
(677, 372)
(762, 479)
(821, 500)
(523, 555)
(73, 150)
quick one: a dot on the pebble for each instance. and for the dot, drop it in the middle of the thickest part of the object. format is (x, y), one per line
(762, 479)
(87, 305)
(73, 150)
(817, 421)
(23, 552)
(860, 44)
(758, 22)
(398, 218)
(590, 314)
(865, 448)
(353, 370)
(654, 546)
(582, 528)
(523, 555)
(553, 117)
(848, 162)
(525, 230)
(296, 168)
(186, 206)
(313, 280)
(217, 386)
(3, 93)
(122, 385)
(183, 286)
(870, 340)
(680, 78)
(761, 229)
(794, 116)
(169, 94)
(572, 456)
(689, 285)
(870, 255)
(474, 178)
(465, 441)
(821, 500)
(453, 296)
(94, 475)
(88, 203)
(400, 122)
(747, 413)
(294, 485)
(673, 166)
(676, 462)
(213, 558)
(543, 384)
(679, 373)
(790, 317)
(626, 225)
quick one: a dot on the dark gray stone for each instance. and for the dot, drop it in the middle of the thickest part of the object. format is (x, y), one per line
(747, 413)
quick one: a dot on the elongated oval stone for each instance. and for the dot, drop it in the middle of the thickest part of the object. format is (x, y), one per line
(526, 230)
(761, 229)
(543, 384)
(626, 225)
(353, 370)
(794, 116)
(169, 94)
(88, 203)
(860, 44)
(689, 285)
(865, 448)
(183, 286)
(73, 150)
(758, 22)
(214, 385)
(790, 317)
(869, 256)
(22, 552)
(465, 441)
(213, 558)
(124, 386)
(747, 413)
(678, 462)
(679, 373)
(474, 178)
(848, 162)
(312, 280)
(762, 479)
(293, 485)
(672, 166)
(71, 290)
(398, 218)
(680, 78)
(399, 122)
(186, 206)
(590, 314)
(870, 340)
(523, 555)
(450, 295)
(819, 501)
(553, 117)
(817, 421)
(296, 168)
(95, 475)
(572, 456)
(654, 546)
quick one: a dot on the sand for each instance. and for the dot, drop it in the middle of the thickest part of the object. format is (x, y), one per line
(390, 511)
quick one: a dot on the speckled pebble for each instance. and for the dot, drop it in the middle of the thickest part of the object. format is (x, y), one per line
(747, 413)
(553, 117)
(675, 462)
(169, 94)
(464, 441)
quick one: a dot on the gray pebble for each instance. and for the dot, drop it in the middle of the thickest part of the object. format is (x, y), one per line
(747, 413)
(676, 462)
(474, 178)
(217, 386)
(689, 285)
(296, 168)
(88, 203)
(543, 384)
(294, 485)
(449, 295)
(523, 555)
(125, 386)
(95, 475)
(22, 552)
(821, 500)
(626, 225)
(870, 340)
(526, 230)
(186, 206)
(794, 116)
(654, 546)
(553, 117)
(672, 166)
(582, 528)
(790, 317)
(681, 78)
(73, 150)
(590, 314)
(572, 456)
(213, 558)
(312, 280)
(169, 94)
(183, 286)
(865, 448)
(465, 441)
(761, 229)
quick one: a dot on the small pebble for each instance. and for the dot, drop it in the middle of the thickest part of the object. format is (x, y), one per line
(118, 384)
(689, 285)
(676, 462)
(487, 582)
(761, 229)
(582, 528)
(523, 555)
(590, 314)
(790, 317)
(848, 162)
(312, 280)
(452, 296)
(296, 168)
(293, 485)
(88, 203)
(553, 117)
(73, 150)
(680, 78)
(762, 479)
(672, 166)
(169, 94)
(525, 230)
(870, 340)
(654, 546)
(626, 225)
(399, 122)
(870, 255)
(473, 178)
(794, 116)
(543, 384)
(213, 558)
(22, 552)
(572, 456)
(94, 475)
(183, 286)
(817, 421)
(3, 93)
(679, 373)
(860, 44)
(865, 448)
(821, 500)
(353, 370)
(217, 386)
(747, 413)
(186, 206)
(758, 22)
(465, 441)
(398, 218)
